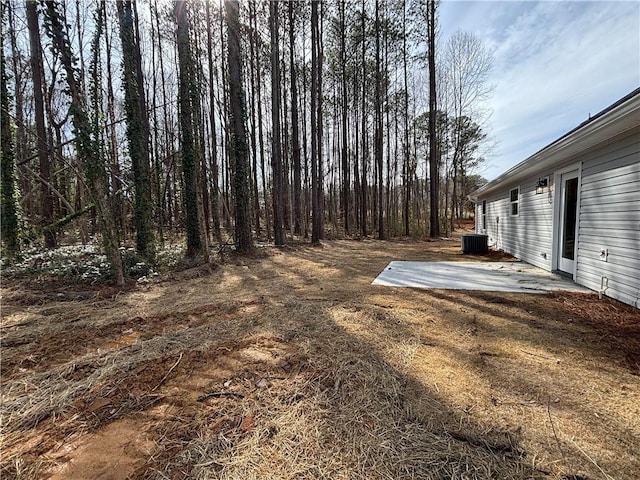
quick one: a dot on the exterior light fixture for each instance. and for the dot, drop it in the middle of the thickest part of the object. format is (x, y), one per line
(542, 182)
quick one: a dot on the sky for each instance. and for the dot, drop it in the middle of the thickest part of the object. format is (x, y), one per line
(556, 63)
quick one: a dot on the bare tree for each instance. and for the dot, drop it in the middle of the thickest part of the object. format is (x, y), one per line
(466, 67)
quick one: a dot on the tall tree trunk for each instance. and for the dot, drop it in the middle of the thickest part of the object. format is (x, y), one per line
(378, 128)
(37, 71)
(406, 167)
(214, 136)
(276, 146)
(295, 134)
(305, 142)
(155, 136)
(319, 126)
(20, 134)
(434, 179)
(167, 144)
(346, 183)
(239, 147)
(226, 128)
(8, 203)
(285, 185)
(255, 192)
(356, 163)
(199, 137)
(364, 123)
(315, 190)
(137, 129)
(189, 153)
(114, 170)
(254, 38)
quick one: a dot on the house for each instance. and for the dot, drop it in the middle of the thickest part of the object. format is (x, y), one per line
(574, 206)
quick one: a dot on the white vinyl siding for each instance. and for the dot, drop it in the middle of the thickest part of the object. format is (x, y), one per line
(528, 235)
(610, 218)
(605, 151)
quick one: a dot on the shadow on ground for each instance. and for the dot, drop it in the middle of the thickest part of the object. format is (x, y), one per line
(293, 366)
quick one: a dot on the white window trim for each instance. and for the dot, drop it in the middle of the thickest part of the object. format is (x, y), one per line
(511, 214)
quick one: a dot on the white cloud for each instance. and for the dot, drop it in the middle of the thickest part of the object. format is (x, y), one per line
(556, 63)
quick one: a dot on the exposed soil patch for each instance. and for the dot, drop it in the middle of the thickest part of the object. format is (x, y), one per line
(93, 457)
(291, 365)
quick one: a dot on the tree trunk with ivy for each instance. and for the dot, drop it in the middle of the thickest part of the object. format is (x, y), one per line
(189, 153)
(137, 130)
(85, 139)
(9, 223)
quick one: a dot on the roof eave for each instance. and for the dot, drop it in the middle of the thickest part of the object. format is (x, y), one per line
(609, 123)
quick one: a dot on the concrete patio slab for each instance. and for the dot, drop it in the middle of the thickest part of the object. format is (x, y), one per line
(489, 276)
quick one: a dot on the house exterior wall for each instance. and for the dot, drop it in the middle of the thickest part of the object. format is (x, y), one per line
(529, 235)
(609, 218)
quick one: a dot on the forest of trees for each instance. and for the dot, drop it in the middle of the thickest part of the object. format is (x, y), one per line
(235, 122)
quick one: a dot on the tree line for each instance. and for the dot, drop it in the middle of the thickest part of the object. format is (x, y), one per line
(235, 122)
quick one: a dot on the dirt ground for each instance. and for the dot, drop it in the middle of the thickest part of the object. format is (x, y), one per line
(291, 365)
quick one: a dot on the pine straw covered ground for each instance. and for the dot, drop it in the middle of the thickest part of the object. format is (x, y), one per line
(290, 365)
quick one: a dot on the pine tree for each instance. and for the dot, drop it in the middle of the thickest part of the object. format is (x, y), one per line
(434, 160)
(276, 139)
(239, 147)
(295, 133)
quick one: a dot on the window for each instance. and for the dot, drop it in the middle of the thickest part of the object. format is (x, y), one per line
(484, 214)
(514, 197)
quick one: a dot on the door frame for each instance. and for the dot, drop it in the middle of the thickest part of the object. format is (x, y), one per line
(557, 216)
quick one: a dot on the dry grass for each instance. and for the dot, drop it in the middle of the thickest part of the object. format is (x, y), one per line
(317, 374)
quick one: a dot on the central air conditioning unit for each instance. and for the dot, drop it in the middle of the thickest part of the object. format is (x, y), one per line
(475, 243)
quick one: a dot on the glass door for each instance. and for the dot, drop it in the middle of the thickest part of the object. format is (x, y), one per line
(568, 221)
